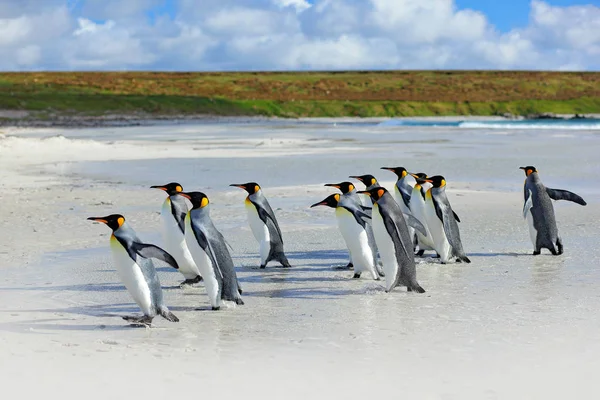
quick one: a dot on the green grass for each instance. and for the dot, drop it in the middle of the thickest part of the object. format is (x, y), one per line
(316, 94)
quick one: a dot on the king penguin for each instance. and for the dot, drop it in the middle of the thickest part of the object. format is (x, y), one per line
(393, 241)
(442, 222)
(402, 193)
(136, 269)
(539, 212)
(172, 213)
(349, 192)
(417, 207)
(209, 250)
(264, 225)
(369, 181)
(352, 226)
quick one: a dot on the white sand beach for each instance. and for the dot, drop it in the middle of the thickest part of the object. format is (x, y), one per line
(507, 326)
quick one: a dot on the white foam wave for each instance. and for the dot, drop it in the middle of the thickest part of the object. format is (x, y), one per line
(535, 125)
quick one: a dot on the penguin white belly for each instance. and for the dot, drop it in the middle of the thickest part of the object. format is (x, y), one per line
(532, 230)
(357, 242)
(259, 230)
(204, 264)
(387, 250)
(175, 243)
(417, 207)
(132, 277)
(436, 228)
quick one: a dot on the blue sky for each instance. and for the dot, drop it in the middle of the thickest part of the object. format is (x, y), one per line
(299, 34)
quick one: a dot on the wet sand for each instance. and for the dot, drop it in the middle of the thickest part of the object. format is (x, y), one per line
(508, 325)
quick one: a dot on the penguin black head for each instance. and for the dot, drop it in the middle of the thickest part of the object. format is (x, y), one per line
(114, 221)
(250, 187)
(400, 172)
(528, 170)
(330, 201)
(375, 193)
(367, 180)
(420, 177)
(438, 181)
(172, 188)
(198, 199)
(345, 187)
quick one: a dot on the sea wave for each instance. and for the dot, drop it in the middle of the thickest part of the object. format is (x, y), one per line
(574, 124)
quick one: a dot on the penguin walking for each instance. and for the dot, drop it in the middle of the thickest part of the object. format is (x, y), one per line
(349, 192)
(133, 262)
(393, 241)
(539, 212)
(417, 208)
(172, 213)
(351, 223)
(442, 222)
(209, 250)
(402, 193)
(264, 225)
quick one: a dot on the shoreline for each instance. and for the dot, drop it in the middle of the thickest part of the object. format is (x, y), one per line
(27, 119)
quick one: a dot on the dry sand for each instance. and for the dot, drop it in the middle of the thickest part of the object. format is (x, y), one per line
(507, 326)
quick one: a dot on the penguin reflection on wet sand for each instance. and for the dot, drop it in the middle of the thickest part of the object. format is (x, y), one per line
(351, 223)
(539, 212)
(172, 214)
(393, 241)
(137, 272)
(209, 249)
(264, 225)
(442, 222)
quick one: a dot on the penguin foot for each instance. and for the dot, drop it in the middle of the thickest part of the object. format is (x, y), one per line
(356, 276)
(263, 266)
(458, 261)
(536, 252)
(216, 308)
(349, 266)
(144, 320)
(188, 282)
(420, 253)
(239, 301)
(554, 252)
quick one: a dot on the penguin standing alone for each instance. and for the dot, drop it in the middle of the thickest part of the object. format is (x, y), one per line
(539, 212)
(172, 213)
(137, 272)
(393, 241)
(442, 222)
(209, 250)
(352, 226)
(264, 225)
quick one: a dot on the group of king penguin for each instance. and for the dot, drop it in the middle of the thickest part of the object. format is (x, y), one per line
(383, 235)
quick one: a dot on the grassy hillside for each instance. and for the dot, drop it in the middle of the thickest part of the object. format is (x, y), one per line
(310, 94)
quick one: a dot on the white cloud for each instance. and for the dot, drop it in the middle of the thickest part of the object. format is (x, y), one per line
(290, 34)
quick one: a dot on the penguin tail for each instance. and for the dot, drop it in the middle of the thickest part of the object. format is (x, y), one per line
(239, 301)
(168, 315)
(283, 261)
(465, 259)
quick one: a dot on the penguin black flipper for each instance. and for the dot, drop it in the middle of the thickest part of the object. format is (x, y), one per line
(356, 213)
(265, 212)
(456, 216)
(179, 210)
(415, 223)
(365, 208)
(438, 210)
(559, 194)
(405, 197)
(394, 232)
(146, 250)
(205, 245)
(528, 203)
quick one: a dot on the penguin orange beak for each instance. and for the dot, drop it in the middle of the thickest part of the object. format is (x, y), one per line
(413, 175)
(98, 219)
(357, 177)
(159, 187)
(388, 168)
(428, 180)
(321, 203)
(238, 185)
(523, 168)
(187, 196)
(365, 192)
(335, 185)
